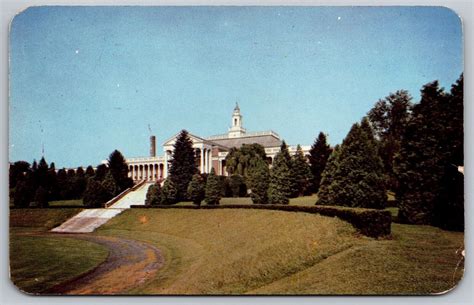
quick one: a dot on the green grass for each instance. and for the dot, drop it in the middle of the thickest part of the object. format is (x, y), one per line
(40, 219)
(231, 251)
(74, 202)
(38, 263)
(273, 252)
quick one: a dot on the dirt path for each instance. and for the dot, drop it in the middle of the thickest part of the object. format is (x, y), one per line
(130, 263)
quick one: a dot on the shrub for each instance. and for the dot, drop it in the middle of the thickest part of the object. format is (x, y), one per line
(169, 193)
(41, 197)
(237, 186)
(213, 189)
(153, 195)
(95, 195)
(196, 189)
(258, 180)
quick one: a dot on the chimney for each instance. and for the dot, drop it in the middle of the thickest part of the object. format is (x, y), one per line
(152, 146)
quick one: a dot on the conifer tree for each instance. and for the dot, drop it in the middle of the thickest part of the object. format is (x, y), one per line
(258, 180)
(213, 189)
(301, 172)
(153, 195)
(325, 193)
(41, 197)
(358, 180)
(237, 185)
(95, 195)
(169, 193)
(110, 186)
(281, 180)
(119, 170)
(183, 165)
(197, 189)
(431, 189)
(319, 154)
(89, 172)
(100, 172)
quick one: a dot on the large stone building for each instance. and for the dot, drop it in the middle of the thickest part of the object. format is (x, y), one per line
(211, 151)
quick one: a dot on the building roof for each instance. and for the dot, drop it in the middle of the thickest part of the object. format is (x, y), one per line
(266, 140)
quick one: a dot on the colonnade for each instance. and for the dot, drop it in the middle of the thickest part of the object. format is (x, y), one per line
(147, 171)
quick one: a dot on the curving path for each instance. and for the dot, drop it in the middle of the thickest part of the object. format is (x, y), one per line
(130, 263)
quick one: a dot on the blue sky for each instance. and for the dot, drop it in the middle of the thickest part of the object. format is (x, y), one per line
(87, 80)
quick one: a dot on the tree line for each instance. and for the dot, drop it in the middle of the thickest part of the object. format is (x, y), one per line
(37, 184)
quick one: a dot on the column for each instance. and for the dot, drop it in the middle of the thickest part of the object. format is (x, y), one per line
(209, 160)
(202, 160)
(165, 175)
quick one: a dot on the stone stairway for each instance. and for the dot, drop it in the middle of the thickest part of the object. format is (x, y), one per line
(89, 220)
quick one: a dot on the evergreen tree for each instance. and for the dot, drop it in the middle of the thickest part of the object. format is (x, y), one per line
(301, 172)
(95, 195)
(213, 189)
(24, 192)
(388, 119)
(89, 172)
(319, 154)
(429, 190)
(62, 182)
(258, 180)
(169, 193)
(41, 197)
(196, 189)
(358, 180)
(237, 185)
(183, 165)
(100, 172)
(325, 192)
(18, 171)
(119, 169)
(110, 186)
(281, 181)
(53, 182)
(153, 195)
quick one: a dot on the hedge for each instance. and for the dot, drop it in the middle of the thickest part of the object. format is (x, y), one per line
(369, 222)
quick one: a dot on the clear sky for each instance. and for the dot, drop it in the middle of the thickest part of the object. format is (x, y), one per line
(87, 80)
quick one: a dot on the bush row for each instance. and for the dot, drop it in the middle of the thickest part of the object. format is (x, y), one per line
(369, 222)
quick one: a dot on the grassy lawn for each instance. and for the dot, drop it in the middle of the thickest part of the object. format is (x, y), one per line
(231, 251)
(39, 262)
(40, 219)
(273, 252)
(74, 202)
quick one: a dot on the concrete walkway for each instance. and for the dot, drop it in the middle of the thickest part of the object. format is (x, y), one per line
(89, 220)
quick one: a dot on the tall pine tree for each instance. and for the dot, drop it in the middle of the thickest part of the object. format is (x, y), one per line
(119, 170)
(358, 180)
(318, 157)
(301, 172)
(183, 165)
(325, 192)
(258, 181)
(282, 183)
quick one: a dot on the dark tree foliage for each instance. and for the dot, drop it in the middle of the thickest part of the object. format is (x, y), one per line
(359, 180)
(41, 197)
(429, 190)
(169, 193)
(258, 181)
(281, 180)
(119, 169)
(237, 185)
(62, 182)
(239, 160)
(153, 195)
(318, 157)
(100, 172)
(53, 183)
(197, 189)
(226, 187)
(213, 189)
(302, 173)
(95, 195)
(326, 193)
(110, 186)
(183, 165)
(24, 193)
(89, 172)
(18, 171)
(389, 118)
